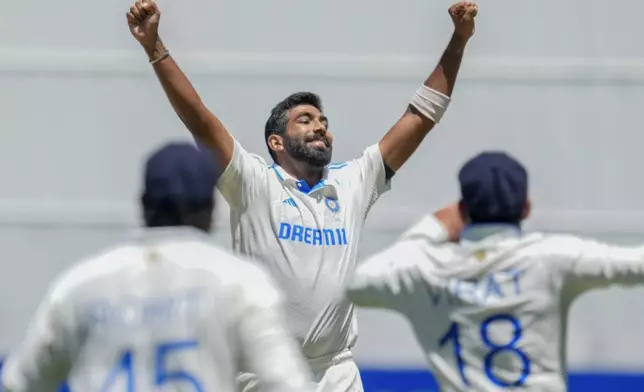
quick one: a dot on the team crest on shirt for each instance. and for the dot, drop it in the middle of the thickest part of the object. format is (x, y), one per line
(480, 255)
(332, 205)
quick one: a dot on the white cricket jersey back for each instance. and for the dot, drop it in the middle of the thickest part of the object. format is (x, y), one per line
(490, 313)
(308, 237)
(169, 311)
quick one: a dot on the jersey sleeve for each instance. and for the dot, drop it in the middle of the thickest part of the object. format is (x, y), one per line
(45, 357)
(399, 276)
(267, 347)
(243, 179)
(382, 282)
(372, 175)
(590, 264)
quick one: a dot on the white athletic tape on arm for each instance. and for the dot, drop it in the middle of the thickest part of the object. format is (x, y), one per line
(430, 103)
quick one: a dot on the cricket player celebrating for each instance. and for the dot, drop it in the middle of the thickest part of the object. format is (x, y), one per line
(303, 217)
(490, 312)
(166, 311)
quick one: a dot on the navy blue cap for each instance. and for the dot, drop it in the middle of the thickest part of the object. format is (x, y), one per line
(494, 188)
(180, 172)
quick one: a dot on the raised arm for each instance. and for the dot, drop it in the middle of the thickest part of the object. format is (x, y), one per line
(395, 278)
(143, 19)
(432, 99)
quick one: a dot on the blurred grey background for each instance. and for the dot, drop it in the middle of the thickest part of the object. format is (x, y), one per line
(558, 84)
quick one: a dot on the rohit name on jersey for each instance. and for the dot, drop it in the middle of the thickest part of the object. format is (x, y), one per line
(313, 236)
(139, 311)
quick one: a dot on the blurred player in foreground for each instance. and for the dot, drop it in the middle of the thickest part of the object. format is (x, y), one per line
(490, 311)
(166, 311)
(303, 217)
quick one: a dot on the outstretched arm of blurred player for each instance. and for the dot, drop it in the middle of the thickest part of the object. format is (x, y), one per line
(406, 135)
(268, 349)
(588, 264)
(44, 359)
(397, 277)
(143, 19)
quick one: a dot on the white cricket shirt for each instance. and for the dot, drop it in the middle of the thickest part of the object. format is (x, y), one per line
(307, 237)
(491, 312)
(169, 311)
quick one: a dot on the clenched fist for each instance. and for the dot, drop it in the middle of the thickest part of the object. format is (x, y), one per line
(463, 14)
(143, 19)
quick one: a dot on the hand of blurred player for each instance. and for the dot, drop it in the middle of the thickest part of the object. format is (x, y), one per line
(463, 14)
(452, 219)
(143, 19)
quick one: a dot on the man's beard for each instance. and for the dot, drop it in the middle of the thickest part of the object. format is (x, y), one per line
(300, 150)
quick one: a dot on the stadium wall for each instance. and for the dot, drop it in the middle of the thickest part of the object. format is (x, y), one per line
(81, 108)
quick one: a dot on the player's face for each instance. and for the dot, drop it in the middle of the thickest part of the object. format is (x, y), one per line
(307, 138)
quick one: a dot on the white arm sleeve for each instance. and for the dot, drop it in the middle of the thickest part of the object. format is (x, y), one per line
(43, 361)
(372, 175)
(429, 229)
(590, 264)
(398, 277)
(267, 348)
(384, 281)
(243, 179)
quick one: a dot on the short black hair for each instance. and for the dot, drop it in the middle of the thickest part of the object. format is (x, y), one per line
(276, 124)
(171, 212)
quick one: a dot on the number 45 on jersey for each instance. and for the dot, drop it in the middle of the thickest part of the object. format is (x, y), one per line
(162, 375)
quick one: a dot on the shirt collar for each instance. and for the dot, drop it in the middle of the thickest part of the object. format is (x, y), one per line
(158, 234)
(324, 187)
(480, 231)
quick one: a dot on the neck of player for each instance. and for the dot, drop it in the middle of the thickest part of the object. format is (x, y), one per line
(303, 171)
